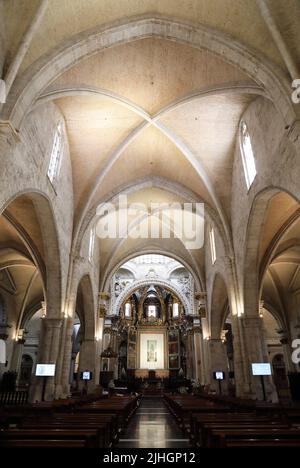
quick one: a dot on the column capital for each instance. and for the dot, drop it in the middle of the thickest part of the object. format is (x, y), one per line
(228, 260)
(102, 311)
(200, 295)
(53, 322)
(79, 259)
(69, 324)
(20, 341)
(104, 296)
(215, 340)
(9, 136)
(251, 322)
(294, 132)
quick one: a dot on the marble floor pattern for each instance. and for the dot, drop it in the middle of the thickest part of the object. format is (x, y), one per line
(153, 426)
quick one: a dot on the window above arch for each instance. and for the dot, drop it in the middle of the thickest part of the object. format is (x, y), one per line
(56, 153)
(91, 244)
(175, 310)
(247, 155)
(127, 310)
(212, 244)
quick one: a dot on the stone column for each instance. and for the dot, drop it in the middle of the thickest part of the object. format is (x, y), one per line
(256, 352)
(104, 299)
(48, 354)
(199, 371)
(114, 360)
(241, 372)
(201, 311)
(204, 361)
(72, 367)
(63, 389)
(190, 355)
(287, 353)
(17, 356)
(218, 362)
(87, 361)
(207, 363)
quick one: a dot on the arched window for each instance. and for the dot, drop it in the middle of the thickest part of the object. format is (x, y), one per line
(127, 310)
(91, 244)
(212, 245)
(247, 154)
(175, 310)
(55, 158)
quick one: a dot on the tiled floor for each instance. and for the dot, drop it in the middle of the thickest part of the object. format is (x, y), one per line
(152, 426)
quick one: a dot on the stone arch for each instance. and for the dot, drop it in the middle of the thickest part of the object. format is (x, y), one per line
(49, 233)
(156, 182)
(198, 280)
(271, 253)
(174, 269)
(86, 314)
(276, 315)
(28, 87)
(85, 309)
(28, 314)
(147, 282)
(251, 267)
(219, 302)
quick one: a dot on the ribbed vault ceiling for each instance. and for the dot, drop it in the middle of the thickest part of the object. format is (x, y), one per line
(152, 108)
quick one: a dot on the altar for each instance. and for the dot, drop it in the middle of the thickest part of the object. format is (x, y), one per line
(146, 374)
(149, 337)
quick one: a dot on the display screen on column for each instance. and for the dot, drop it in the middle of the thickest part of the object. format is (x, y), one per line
(261, 368)
(45, 370)
(86, 375)
(219, 375)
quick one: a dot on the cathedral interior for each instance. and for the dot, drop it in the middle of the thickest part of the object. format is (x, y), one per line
(149, 223)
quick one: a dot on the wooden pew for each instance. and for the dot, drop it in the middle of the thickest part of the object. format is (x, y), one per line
(213, 424)
(49, 443)
(200, 423)
(243, 437)
(90, 437)
(89, 424)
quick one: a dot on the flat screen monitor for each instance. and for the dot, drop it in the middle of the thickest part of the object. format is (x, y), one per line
(261, 368)
(86, 375)
(219, 375)
(45, 370)
(2, 352)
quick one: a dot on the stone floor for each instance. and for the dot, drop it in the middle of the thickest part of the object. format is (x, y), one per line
(152, 426)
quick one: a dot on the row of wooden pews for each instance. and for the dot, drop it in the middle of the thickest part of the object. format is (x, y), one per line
(68, 423)
(213, 423)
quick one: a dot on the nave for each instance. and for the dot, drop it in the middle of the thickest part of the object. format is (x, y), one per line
(168, 421)
(153, 426)
(149, 222)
